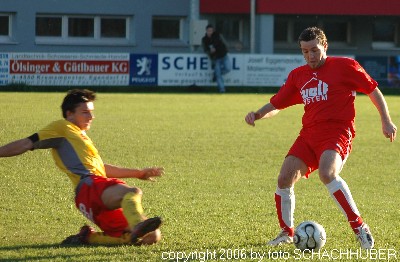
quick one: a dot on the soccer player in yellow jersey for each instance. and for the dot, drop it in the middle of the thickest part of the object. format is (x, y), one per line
(100, 195)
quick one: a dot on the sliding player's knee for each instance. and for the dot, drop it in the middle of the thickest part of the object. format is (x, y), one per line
(135, 190)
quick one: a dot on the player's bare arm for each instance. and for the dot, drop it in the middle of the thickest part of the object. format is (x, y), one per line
(144, 174)
(15, 148)
(266, 111)
(389, 129)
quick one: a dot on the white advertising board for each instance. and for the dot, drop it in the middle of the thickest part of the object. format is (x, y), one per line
(193, 69)
(246, 70)
(269, 70)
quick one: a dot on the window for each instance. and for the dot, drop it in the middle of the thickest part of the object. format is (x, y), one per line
(48, 26)
(287, 29)
(234, 28)
(300, 25)
(281, 31)
(113, 27)
(230, 28)
(336, 31)
(6, 35)
(383, 31)
(4, 25)
(64, 29)
(80, 27)
(386, 34)
(166, 28)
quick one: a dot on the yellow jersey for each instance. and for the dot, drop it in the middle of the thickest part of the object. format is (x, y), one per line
(73, 151)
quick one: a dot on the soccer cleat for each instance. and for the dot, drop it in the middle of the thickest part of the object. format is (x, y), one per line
(282, 238)
(81, 238)
(144, 228)
(364, 236)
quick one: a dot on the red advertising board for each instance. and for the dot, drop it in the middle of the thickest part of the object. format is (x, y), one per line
(68, 67)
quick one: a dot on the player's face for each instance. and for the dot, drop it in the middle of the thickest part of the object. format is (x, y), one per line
(83, 115)
(314, 53)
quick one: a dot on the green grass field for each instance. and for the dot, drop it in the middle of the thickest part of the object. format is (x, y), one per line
(216, 197)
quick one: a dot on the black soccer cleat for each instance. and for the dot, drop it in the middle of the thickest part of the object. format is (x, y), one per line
(144, 228)
(79, 239)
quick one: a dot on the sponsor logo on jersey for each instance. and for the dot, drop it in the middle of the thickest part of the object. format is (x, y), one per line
(314, 90)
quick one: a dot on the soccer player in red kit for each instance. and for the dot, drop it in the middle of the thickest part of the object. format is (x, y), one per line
(327, 87)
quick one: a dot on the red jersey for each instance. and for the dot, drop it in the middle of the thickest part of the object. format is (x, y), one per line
(328, 92)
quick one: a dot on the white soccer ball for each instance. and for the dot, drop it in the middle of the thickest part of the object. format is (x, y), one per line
(309, 235)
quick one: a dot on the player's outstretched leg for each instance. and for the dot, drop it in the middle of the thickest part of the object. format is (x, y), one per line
(285, 203)
(88, 236)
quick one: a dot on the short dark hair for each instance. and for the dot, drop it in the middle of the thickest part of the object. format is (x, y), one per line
(209, 26)
(74, 97)
(312, 33)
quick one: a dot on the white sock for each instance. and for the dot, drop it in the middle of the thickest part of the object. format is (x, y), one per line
(340, 192)
(285, 204)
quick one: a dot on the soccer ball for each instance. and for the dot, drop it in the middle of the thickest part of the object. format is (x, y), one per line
(309, 235)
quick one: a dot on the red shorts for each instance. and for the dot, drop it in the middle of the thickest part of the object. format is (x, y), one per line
(88, 201)
(312, 142)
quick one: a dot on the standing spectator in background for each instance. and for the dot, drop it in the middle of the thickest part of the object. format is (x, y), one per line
(215, 47)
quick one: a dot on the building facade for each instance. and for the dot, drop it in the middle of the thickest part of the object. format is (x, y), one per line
(357, 27)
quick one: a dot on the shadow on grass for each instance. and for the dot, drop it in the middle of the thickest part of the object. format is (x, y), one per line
(36, 253)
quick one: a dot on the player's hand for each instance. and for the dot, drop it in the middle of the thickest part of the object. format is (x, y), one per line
(151, 173)
(389, 130)
(250, 118)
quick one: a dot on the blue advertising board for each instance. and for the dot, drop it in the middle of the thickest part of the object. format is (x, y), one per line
(143, 70)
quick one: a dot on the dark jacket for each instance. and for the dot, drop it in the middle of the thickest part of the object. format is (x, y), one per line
(218, 42)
